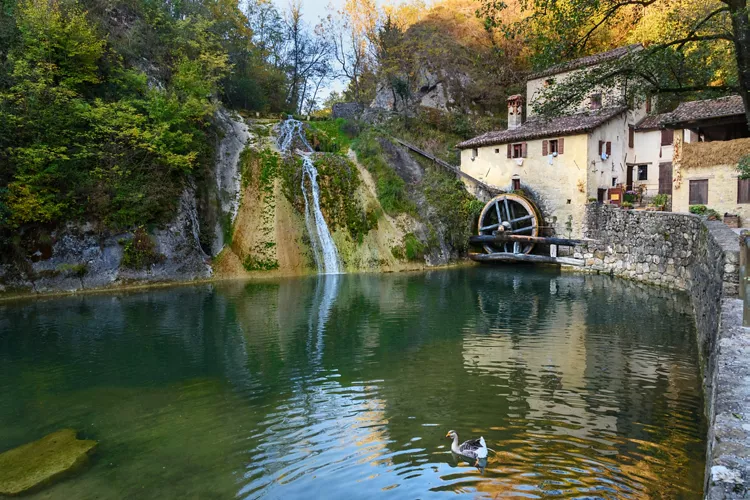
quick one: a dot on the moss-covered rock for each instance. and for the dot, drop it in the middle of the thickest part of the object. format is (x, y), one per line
(34, 465)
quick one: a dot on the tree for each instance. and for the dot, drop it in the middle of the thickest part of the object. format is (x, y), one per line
(307, 56)
(685, 50)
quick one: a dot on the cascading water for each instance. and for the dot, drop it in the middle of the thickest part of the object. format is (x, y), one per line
(324, 249)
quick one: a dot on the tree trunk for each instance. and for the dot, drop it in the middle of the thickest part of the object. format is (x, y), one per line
(741, 34)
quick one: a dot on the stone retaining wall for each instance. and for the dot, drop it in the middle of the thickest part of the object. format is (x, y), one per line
(701, 257)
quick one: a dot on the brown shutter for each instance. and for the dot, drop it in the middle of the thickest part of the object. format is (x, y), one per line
(743, 190)
(523, 149)
(698, 194)
(648, 104)
(609, 148)
(561, 145)
(667, 137)
(631, 136)
(601, 145)
(665, 178)
(544, 148)
(510, 150)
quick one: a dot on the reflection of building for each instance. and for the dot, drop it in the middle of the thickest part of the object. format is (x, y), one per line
(553, 358)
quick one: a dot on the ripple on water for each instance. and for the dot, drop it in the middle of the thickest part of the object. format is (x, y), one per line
(583, 387)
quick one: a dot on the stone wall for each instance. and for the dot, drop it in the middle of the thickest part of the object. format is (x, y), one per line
(701, 257)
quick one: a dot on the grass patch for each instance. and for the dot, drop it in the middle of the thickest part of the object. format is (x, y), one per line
(391, 189)
(332, 136)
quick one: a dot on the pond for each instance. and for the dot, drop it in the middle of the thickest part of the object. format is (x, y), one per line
(345, 387)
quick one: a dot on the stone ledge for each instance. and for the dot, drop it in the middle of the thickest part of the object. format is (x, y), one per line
(728, 460)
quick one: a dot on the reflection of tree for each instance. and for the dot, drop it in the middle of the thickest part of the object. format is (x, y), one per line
(558, 372)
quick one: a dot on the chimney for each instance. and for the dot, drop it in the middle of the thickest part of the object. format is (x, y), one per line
(515, 111)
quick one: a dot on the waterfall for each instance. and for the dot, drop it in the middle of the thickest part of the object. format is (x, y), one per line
(324, 249)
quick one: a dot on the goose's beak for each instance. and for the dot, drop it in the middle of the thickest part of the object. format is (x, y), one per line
(448, 435)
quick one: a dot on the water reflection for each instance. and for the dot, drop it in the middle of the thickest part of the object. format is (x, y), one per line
(344, 386)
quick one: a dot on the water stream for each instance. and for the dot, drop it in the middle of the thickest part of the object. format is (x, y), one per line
(324, 249)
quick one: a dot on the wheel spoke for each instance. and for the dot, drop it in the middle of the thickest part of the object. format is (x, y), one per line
(507, 212)
(497, 209)
(522, 230)
(491, 226)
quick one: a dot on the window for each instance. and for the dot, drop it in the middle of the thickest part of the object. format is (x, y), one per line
(743, 190)
(614, 181)
(698, 192)
(549, 81)
(642, 172)
(631, 136)
(497, 150)
(516, 184)
(667, 136)
(595, 101)
(553, 146)
(605, 147)
(518, 150)
(474, 153)
(648, 104)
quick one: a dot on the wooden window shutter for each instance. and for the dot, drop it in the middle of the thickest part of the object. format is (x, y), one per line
(601, 146)
(609, 148)
(648, 104)
(561, 145)
(631, 136)
(544, 148)
(523, 150)
(667, 137)
(510, 151)
(698, 193)
(743, 190)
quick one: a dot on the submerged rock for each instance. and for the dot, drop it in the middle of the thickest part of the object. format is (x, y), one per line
(42, 462)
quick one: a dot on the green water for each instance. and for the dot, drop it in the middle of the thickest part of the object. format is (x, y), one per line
(345, 386)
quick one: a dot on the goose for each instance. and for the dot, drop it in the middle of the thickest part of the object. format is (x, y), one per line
(473, 448)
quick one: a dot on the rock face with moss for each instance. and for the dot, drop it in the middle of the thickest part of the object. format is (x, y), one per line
(40, 463)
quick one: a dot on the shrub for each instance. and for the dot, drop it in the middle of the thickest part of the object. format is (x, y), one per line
(660, 200)
(413, 248)
(712, 214)
(626, 204)
(698, 209)
(140, 252)
(592, 200)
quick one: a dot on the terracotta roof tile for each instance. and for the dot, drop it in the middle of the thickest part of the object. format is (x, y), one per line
(591, 60)
(539, 128)
(707, 108)
(651, 122)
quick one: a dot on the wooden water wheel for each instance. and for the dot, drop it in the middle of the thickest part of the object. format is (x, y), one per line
(513, 214)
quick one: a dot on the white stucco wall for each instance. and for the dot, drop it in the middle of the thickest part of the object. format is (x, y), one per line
(649, 151)
(601, 172)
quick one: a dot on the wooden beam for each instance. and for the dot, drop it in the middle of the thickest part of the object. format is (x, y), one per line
(522, 257)
(503, 237)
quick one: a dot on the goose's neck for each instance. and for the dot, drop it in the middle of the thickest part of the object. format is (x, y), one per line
(454, 445)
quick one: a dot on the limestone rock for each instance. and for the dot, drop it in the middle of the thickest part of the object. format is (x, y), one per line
(42, 462)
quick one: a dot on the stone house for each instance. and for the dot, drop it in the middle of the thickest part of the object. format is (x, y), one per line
(710, 137)
(650, 162)
(560, 162)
